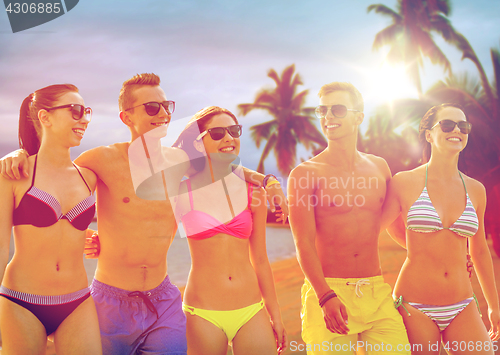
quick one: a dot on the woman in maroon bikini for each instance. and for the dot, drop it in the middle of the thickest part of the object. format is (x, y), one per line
(44, 287)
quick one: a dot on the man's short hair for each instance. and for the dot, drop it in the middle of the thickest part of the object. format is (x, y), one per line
(126, 97)
(355, 95)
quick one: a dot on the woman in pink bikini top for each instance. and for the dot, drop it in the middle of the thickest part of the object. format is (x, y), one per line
(230, 282)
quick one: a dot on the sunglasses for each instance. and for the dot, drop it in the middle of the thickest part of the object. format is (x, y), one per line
(217, 133)
(449, 125)
(339, 111)
(153, 107)
(77, 111)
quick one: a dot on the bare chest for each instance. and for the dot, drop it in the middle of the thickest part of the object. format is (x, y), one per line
(341, 193)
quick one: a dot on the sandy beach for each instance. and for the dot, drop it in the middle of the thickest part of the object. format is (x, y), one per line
(289, 278)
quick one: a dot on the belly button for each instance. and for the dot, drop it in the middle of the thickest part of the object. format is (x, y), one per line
(57, 267)
(229, 278)
(356, 255)
(445, 274)
(126, 199)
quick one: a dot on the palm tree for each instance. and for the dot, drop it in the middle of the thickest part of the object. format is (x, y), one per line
(291, 124)
(410, 36)
(393, 133)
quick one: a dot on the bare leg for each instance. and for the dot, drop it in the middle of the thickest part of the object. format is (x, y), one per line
(79, 332)
(22, 332)
(467, 334)
(255, 337)
(423, 332)
(203, 337)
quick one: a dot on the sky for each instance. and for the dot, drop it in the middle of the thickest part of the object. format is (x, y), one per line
(216, 53)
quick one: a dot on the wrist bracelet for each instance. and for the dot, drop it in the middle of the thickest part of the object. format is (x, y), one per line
(326, 297)
(271, 183)
(266, 178)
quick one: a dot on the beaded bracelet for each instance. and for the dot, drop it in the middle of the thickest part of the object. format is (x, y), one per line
(329, 295)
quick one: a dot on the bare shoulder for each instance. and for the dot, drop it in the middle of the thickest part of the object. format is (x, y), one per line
(175, 154)
(96, 157)
(89, 176)
(474, 188)
(23, 183)
(406, 177)
(305, 168)
(379, 162)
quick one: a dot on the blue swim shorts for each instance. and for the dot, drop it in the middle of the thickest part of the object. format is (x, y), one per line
(148, 322)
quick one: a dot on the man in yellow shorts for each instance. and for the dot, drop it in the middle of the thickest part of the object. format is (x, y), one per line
(335, 202)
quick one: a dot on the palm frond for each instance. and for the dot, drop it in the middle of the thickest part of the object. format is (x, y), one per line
(432, 51)
(262, 131)
(388, 36)
(273, 75)
(384, 10)
(285, 151)
(495, 58)
(298, 101)
(267, 149)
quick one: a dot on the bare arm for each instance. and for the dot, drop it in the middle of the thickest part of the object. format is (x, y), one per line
(275, 194)
(90, 159)
(14, 164)
(397, 231)
(6, 210)
(391, 211)
(484, 268)
(303, 223)
(260, 262)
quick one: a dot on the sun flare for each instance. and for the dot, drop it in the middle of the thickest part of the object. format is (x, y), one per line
(390, 82)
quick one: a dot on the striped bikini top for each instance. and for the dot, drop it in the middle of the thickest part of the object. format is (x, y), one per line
(40, 209)
(423, 218)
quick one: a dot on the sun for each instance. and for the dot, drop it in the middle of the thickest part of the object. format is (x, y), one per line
(389, 82)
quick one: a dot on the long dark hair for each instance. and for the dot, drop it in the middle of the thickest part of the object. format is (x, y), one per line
(29, 126)
(196, 125)
(427, 122)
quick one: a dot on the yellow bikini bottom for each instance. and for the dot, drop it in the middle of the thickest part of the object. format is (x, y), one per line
(228, 321)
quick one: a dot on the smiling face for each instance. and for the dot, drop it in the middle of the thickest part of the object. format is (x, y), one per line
(59, 123)
(137, 118)
(455, 140)
(228, 144)
(334, 127)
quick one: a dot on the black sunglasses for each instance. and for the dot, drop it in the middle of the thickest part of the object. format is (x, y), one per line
(339, 111)
(77, 111)
(217, 133)
(153, 107)
(449, 125)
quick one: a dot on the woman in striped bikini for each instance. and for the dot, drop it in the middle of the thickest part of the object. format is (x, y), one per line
(444, 212)
(44, 287)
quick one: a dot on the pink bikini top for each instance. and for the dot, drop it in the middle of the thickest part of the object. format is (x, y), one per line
(200, 225)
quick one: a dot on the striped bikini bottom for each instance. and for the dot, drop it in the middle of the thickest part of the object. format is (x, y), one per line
(441, 315)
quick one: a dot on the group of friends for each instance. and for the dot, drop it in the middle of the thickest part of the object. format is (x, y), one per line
(338, 202)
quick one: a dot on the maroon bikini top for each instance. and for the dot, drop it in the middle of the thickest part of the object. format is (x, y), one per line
(40, 209)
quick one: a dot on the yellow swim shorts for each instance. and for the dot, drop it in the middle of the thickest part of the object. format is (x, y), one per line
(374, 323)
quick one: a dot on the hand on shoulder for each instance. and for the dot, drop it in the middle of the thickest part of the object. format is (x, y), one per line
(14, 166)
